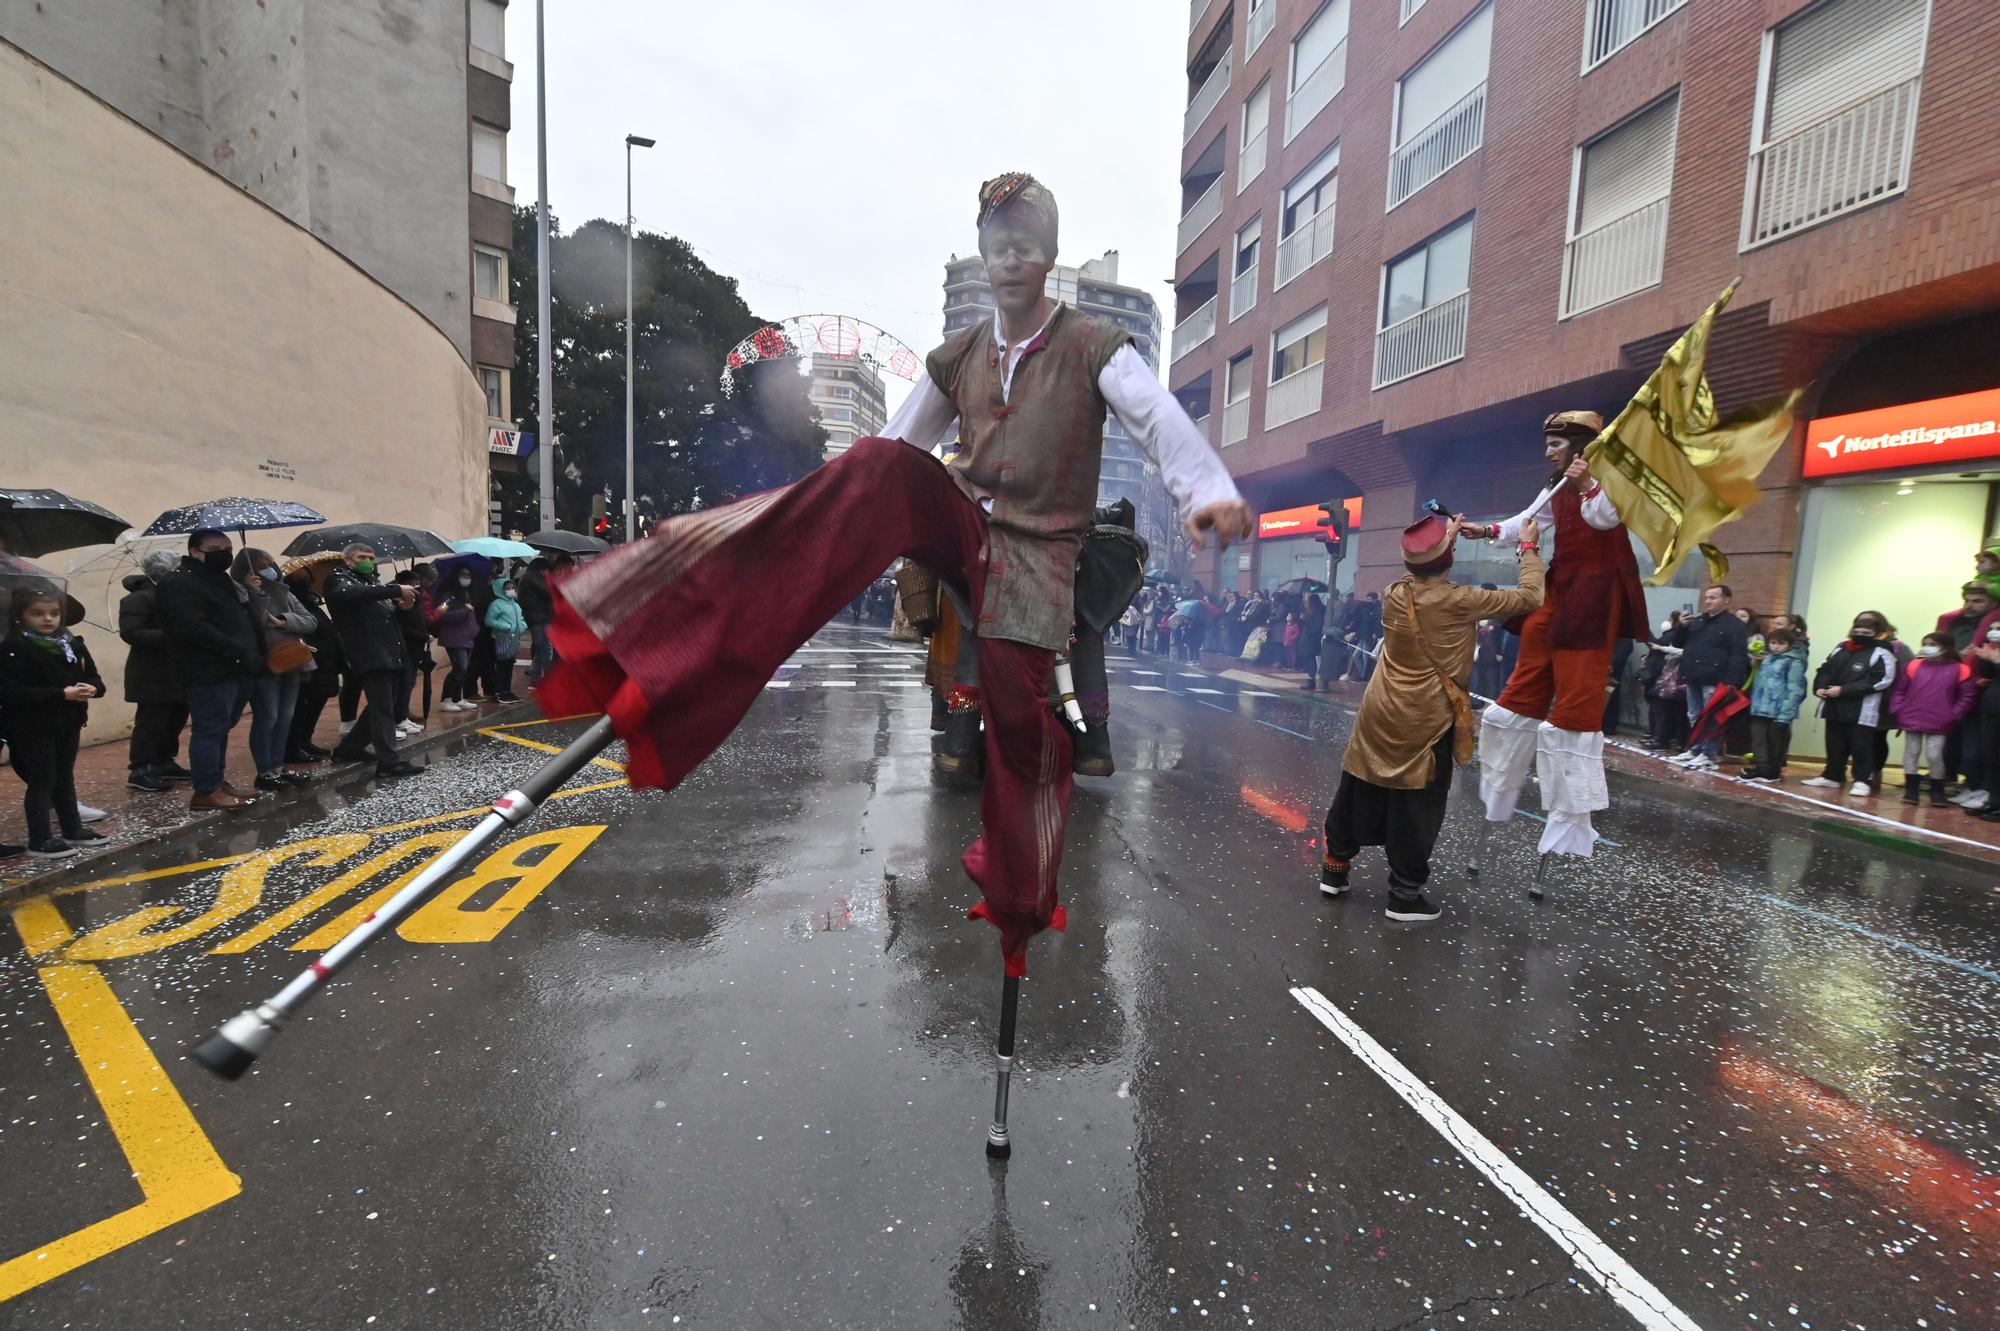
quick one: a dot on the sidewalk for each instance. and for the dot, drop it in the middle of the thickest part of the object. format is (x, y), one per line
(1924, 827)
(139, 815)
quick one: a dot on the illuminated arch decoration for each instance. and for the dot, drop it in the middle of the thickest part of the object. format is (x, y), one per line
(832, 336)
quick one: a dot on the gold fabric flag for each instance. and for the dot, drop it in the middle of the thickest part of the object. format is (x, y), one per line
(1673, 469)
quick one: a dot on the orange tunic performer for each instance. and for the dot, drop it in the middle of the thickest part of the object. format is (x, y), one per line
(1550, 717)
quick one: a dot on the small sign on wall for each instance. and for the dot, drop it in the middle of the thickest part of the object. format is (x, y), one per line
(278, 471)
(1243, 562)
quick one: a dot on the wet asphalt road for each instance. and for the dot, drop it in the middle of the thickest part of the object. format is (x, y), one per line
(723, 1058)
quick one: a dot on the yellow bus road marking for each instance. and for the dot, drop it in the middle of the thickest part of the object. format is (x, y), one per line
(176, 1167)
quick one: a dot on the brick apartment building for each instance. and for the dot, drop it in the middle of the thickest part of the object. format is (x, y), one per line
(1414, 227)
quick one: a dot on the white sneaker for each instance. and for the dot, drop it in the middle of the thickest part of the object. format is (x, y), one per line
(1972, 803)
(413, 727)
(1701, 763)
(1859, 788)
(1684, 757)
(403, 729)
(90, 814)
(1964, 797)
(1819, 782)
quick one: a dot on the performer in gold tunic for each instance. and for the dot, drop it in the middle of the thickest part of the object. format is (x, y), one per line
(1416, 718)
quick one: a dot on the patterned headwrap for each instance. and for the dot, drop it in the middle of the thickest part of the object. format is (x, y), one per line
(1026, 201)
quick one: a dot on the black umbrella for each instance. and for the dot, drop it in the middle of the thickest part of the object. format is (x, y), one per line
(233, 514)
(567, 542)
(397, 543)
(17, 575)
(41, 522)
(1300, 586)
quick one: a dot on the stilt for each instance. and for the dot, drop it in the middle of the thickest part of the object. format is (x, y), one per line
(1478, 860)
(1537, 889)
(997, 1145)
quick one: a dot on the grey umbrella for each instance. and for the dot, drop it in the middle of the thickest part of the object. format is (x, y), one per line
(567, 542)
(396, 543)
(41, 522)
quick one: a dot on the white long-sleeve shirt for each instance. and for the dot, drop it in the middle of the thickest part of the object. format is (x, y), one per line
(1189, 465)
(1597, 511)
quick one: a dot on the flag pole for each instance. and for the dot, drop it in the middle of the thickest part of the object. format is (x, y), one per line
(998, 1147)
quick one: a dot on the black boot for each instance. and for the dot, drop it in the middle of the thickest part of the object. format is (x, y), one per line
(956, 753)
(1091, 751)
(1938, 800)
(1913, 787)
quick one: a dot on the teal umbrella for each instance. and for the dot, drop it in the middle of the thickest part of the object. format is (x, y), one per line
(495, 547)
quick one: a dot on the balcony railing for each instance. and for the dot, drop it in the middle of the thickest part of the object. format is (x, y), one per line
(1202, 216)
(1306, 246)
(1409, 7)
(1242, 293)
(1206, 426)
(1205, 100)
(1258, 27)
(1295, 396)
(1427, 339)
(1848, 159)
(1616, 259)
(1318, 89)
(1236, 422)
(1197, 8)
(1438, 146)
(1250, 162)
(1194, 330)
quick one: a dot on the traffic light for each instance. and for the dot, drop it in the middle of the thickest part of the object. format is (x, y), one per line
(1333, 527)
(599, 524)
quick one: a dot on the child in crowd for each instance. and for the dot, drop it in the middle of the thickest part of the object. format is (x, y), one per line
(1292, 641)
(1932, 694)
(1852, 685)
(1987, 564)
(1775, 694)
(508, 625)
(46, 681)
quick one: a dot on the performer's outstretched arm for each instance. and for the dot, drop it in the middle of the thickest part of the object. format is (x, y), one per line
(1189, 465)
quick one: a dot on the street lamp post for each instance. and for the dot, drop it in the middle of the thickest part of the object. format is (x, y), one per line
(631, 488)
(544, 390)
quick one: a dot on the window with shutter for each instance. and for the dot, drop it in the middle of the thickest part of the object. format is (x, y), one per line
(1315, 42)
(1445, 76)
(1299, 345)
(1618, 236)
(1839, 114)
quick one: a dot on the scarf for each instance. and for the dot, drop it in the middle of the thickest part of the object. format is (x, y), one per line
(62, 643)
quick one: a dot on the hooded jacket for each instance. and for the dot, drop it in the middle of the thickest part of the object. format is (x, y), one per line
(1780, 686)
(1932, 694)
(150, 673)
(1864, 672)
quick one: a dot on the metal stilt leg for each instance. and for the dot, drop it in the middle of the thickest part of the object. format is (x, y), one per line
(1538, 888)
(1479, 849)
(998, 1147)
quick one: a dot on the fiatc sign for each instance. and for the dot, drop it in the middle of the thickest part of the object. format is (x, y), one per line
(1965, 428)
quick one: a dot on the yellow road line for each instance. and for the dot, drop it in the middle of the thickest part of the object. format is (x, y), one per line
(177, 1168)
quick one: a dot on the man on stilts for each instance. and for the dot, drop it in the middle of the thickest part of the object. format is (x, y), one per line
(1002, 523)
(1550, 716)
(1415, 721)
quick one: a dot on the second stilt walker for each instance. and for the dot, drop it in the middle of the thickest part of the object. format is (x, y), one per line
(1550, 717)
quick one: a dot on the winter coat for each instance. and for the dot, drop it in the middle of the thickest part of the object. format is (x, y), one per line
(456, 621)
(210, 629)
(364, 613)
(537, 605)
(1933, 694)
(32, 680)
(328, 658)
(1864, 672)
(273, 600)
(415, 623)
(1966, 635)
(504, 617)
(1715, 649)
(150, 674)
(1780, 685)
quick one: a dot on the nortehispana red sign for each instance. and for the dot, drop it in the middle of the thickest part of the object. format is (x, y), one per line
(1301, 521)
(1965, 428)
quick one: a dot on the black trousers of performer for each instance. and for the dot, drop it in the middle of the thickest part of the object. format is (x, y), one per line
(376, 726)
(156, 734)
(1405, 823)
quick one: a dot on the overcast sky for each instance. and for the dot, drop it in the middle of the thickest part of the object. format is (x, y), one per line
(828, 155)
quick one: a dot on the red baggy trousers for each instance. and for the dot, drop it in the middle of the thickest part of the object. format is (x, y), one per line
(1563, 686)
(675, 636)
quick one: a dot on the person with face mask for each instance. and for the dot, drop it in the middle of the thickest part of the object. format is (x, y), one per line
(455, 622)
(1852, 685)
(508, 626)
(274, 691)
(1661, 676)
(152, 685)
(217, 644)
(1934, 692)
(364, 614)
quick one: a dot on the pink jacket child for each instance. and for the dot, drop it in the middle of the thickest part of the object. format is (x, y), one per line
(1933, 694)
